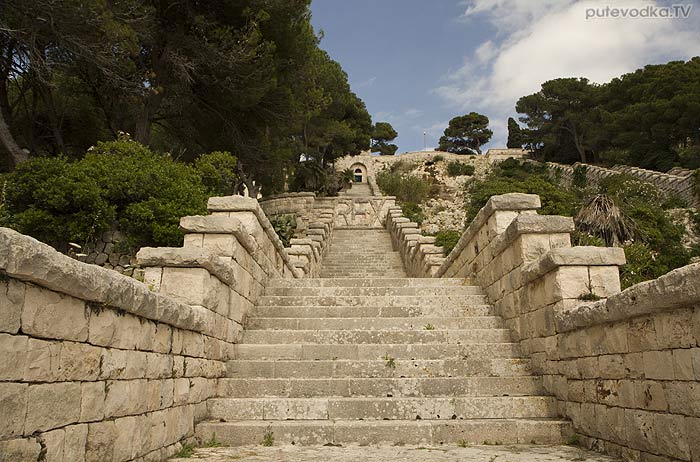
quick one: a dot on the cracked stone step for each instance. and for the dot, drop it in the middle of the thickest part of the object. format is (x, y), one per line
(380, 387)
(499, 367)
(368, 300)
(473, 322)
(474, 431)
(342, 337)
(498, 407)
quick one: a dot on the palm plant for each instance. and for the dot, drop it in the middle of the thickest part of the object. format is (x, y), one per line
(600, 216)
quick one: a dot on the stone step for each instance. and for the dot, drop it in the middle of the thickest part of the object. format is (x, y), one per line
(500, 367)
(368, 300)
(474, 322)
(375, 291)
(372, 351)
(377, 274)
(354, 337)
(376, 311)
(369, 282)
(387, 432)
(228, 409)
(448, 387)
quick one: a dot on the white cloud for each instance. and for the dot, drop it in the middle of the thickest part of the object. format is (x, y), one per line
(546, 39)
(366, 83)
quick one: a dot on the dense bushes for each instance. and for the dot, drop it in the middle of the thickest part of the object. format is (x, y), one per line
(514, 176)
(455, 168)
(406, 187)
(144, 192)
(413, 212)
(447, 239)
(656, 246)
(285, 226)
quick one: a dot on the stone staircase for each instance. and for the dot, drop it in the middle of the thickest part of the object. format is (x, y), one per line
(378, 360)
(362, 252)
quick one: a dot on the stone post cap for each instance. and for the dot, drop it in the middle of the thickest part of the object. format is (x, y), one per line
(210, 224)
(573, 256)
(232, 204)
(513, 201)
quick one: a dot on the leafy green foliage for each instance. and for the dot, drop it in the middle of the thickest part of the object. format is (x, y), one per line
(218, 172)
(145, 192)
(515, 135)
(579, 178)
(455, 168)
(268, 438)
(466, 134)
(413, 212)
(524, 177)
(656, 245)
(56, 202)
(406, 187)
(285, 226)
(447, 239)
(647, 118)
(185, 452)
(382, 134)
(438, 158)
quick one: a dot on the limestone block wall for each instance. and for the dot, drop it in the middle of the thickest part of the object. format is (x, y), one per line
(105, 252)
(99, 367)
(622, 368)
(95, 365)
(677, 181)
(421, 257)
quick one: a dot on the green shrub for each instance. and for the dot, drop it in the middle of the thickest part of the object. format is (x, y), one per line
(447, 239)
(438, 158)
(402, 166)
(579, 179)
(455, 168)
(406, 188)
(145, 192)
(56, 202)
(285, 227)
(218, 172)
(413, 212)
(513, 176)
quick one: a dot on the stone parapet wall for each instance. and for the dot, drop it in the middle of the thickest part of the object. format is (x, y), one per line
(99, 367)
(624, 369)
(420, 256)
(678, 182)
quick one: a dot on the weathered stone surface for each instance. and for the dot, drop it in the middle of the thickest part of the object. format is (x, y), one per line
(52, 315)
(92, 404)
(74, 443)
(20, 450)
(52, 405)
(13, 402)
(13, 351)
(11, 302)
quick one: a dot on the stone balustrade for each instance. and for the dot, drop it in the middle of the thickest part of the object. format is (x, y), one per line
(624, 366)
(420, 256)
(100, 367)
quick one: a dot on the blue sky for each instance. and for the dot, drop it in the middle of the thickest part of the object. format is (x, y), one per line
(418, 63)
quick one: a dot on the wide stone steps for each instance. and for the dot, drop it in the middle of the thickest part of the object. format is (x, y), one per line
(373, 351)
(369, 300)
(461, 408)
(420, 368)
(363, 274)
(391, 387)
(383, 324)
(384, 432)
(368, 282)
(445, 337)
(371, 311)
(374, 291)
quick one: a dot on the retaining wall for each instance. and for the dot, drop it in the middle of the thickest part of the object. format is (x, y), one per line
(626, 368)
(99, 367)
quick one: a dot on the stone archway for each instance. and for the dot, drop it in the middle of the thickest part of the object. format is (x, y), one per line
(359, 172)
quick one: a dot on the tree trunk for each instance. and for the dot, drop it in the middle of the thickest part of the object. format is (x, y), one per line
(16, 153)
(143, 125)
